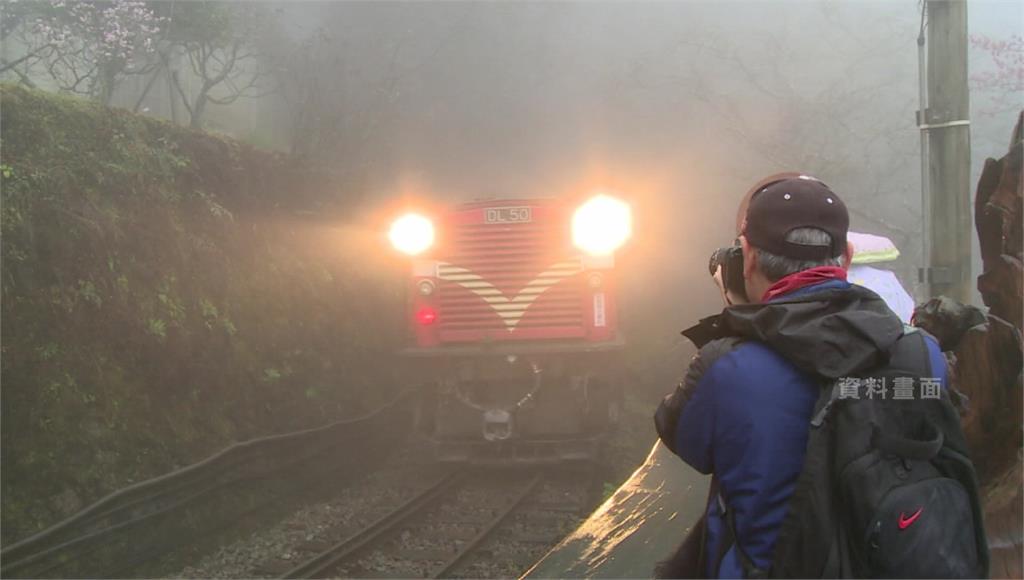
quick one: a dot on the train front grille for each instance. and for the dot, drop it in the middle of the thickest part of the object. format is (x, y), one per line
(508, 282)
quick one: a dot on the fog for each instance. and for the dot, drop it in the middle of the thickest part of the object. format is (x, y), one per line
(680, 106)
(171, 292)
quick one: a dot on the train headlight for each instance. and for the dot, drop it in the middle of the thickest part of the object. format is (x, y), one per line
(412, 234)
(601, 225)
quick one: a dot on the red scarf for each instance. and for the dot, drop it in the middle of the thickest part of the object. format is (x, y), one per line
(804, 278)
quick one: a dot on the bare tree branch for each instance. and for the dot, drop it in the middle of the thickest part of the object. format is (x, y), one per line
(24, 78)
(35, 54)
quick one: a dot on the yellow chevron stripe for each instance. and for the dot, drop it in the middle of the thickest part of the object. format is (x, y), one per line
(520, 306)
(517, 299)
(510, 310)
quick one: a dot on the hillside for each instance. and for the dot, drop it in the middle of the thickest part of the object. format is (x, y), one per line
(163, 296)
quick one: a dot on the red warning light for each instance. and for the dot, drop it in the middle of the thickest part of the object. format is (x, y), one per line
(426, 316)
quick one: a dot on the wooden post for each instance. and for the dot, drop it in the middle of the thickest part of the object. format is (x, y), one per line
(946, 122)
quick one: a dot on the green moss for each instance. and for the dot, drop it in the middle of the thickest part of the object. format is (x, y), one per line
(158, 303)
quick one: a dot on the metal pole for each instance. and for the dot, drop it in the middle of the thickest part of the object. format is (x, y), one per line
(947, 128)
(922, 115)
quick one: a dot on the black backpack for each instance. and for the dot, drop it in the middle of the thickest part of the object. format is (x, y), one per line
(887, 489)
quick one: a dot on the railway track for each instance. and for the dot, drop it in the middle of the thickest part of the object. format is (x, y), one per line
(465, 523)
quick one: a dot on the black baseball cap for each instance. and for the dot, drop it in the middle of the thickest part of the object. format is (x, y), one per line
(784, 205)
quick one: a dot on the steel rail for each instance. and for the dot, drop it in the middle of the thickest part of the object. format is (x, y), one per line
(83, 543)
(236, 452)
(484, 533)
(124, 569)
(104, 523)
(357, 542)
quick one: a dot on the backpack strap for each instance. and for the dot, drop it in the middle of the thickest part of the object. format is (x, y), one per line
(834, 562)
(730, 538)
(919, 357)
(750, 570)
(824, 405)
(702, 555)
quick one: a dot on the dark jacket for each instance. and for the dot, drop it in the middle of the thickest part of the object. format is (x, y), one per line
(743, 410)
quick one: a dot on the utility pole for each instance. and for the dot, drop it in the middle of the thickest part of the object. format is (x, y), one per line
(946, 143)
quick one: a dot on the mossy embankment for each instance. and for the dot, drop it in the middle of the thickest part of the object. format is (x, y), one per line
(163, 296)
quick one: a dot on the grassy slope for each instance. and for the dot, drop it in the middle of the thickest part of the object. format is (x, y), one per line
(158, 303)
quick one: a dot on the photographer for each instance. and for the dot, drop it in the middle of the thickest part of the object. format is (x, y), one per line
(744, 409)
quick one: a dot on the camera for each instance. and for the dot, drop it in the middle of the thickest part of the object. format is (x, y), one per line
(726, 266)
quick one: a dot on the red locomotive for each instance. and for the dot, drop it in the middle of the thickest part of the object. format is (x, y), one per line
(512, 315)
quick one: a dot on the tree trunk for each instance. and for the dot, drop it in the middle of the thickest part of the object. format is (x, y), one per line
(106, 77)
(986, 357)
(199, 109)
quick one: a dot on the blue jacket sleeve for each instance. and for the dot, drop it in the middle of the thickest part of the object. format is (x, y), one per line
(685, 418)
(696, 429)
